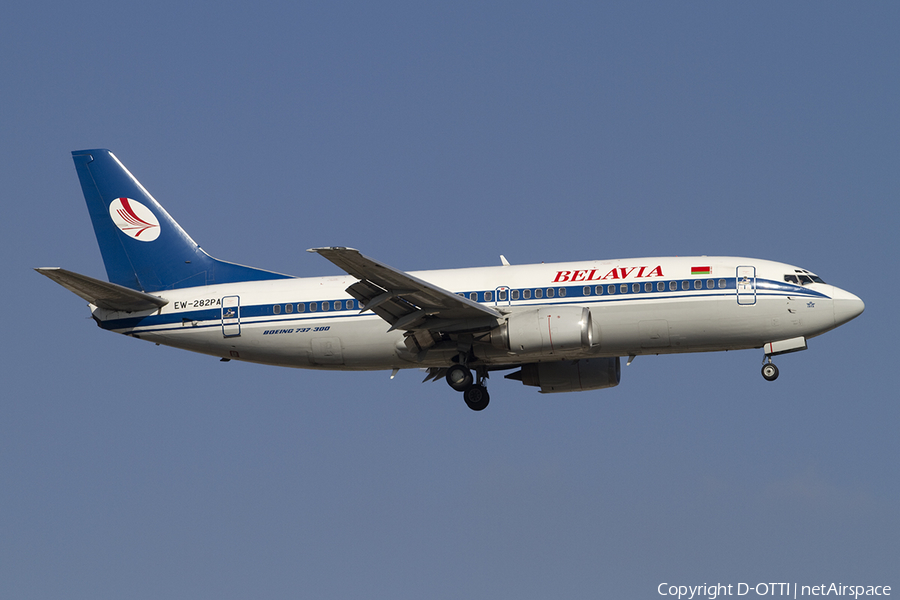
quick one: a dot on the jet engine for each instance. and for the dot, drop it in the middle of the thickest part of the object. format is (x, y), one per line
(571, 375)
(545, 330)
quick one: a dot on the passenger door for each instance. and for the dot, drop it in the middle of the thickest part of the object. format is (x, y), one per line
(746, 285)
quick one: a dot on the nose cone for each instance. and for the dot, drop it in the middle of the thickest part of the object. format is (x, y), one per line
(846, 306)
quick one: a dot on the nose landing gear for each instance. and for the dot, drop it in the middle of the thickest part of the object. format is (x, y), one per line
(769, 371)
(475, 394)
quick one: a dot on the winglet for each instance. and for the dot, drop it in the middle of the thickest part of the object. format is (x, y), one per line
(503, 261)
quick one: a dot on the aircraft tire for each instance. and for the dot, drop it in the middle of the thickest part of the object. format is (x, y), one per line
(460, 378)
(770, 372)
(477, 397)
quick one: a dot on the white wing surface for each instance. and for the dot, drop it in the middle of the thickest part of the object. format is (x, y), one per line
(407, 302)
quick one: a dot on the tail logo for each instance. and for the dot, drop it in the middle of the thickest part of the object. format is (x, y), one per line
(134, 219)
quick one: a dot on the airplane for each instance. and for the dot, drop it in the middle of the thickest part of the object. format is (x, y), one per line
(564, 327)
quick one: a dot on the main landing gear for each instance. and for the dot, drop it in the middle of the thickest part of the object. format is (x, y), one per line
(475, 394)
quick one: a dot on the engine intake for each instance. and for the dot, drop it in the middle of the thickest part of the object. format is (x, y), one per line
(545, 330)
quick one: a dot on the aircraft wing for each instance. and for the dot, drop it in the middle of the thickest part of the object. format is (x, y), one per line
(102, 293)
(404, 301)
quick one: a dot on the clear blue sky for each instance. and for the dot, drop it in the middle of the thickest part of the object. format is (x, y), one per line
(433, 136)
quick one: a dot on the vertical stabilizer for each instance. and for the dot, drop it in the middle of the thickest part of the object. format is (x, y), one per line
(143, 247)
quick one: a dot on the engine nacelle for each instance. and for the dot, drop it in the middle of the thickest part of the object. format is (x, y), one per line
(545, 330)
(572, 375)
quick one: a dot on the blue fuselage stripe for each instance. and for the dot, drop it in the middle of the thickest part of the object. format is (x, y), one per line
(574, 294)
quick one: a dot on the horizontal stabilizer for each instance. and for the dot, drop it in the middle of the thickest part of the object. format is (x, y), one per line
(101, 293)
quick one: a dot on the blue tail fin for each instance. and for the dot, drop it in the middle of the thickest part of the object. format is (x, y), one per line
(143, 248)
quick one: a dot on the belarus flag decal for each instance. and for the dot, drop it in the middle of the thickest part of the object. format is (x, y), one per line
(700, 270)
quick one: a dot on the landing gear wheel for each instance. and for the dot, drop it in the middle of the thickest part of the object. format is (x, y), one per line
(460, 378)
(770, 372)
(477, 397)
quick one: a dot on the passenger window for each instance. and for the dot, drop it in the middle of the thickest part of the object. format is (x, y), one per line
(301, 307)
(337, 305)
(501, 295)
(586, 291)
(685, 285)
(488, 296)
(473, 296)
(313, 307)
(648, 287)
(550, 292)
(288, 308)
(562, 292)
(515, 294)
(611, 289)
(673, 286)
(722, 284)
(538, 293)
(599, 290)
(276, 309)
(697, 284)
(326, 306)
(526, 294)
(635, 287)
(623, 288)
(348, 304)
(709, 284)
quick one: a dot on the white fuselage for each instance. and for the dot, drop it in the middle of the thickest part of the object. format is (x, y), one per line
(637, 306)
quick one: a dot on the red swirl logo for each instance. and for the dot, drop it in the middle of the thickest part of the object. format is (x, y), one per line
(134, 219)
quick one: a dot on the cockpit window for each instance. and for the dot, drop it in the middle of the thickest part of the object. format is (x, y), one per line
(803, 278)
